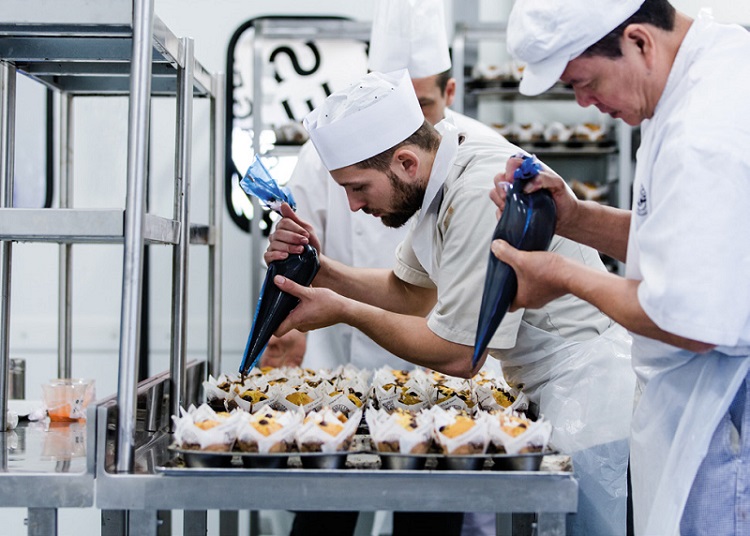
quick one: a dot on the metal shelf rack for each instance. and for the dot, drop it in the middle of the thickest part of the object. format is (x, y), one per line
(107, 48)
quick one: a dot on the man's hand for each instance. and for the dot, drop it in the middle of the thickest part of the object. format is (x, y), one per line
(566, 202)
(540, 274)
(318, 307)
(286, 351)
(290, 236)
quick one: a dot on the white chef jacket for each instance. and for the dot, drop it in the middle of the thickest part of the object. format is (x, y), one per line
(689, 246)
(355, 239)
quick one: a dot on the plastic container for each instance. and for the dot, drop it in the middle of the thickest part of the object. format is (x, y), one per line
(66, 399)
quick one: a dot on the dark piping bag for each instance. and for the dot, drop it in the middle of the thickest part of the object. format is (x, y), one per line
(273, 304)
(527, 223)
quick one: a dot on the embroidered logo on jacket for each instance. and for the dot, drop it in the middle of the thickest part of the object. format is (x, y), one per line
(642, 205)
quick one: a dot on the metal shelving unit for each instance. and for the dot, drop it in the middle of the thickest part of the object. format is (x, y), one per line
(107, 48)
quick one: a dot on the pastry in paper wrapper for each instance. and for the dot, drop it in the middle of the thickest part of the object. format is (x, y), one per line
(327, 431)
(251, 399)
(494, 393)
(346, 396)
(202, 428)
(219, 391)
(304, 398)
(457, 394)
(400, 431)
(457, 433)
(268, 430)
(514, 434)
(401, 389)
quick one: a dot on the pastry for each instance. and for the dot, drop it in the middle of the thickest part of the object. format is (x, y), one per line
(460, 426)
(299, 398)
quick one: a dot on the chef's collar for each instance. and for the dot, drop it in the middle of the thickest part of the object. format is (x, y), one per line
(426, 223)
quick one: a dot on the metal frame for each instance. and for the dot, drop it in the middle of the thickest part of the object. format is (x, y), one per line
(120, 49)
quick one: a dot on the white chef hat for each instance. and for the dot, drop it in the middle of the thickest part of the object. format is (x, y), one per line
(409, 34)
(372, 115)
(547, 34)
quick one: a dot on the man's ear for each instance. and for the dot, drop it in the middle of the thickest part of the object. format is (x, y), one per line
(450, 91)
(641, 39)
(406, 160)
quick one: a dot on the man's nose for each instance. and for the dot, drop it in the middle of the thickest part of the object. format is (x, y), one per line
(355, 204)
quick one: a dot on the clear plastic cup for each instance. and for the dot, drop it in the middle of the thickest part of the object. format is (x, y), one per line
(66, 399)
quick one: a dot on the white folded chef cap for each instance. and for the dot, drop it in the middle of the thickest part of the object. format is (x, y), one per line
(409, 34)
(365, 119)
(547, 34)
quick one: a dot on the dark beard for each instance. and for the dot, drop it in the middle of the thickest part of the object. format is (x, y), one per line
(407, 200)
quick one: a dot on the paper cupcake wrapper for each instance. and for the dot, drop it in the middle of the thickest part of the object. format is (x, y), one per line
(536, 435)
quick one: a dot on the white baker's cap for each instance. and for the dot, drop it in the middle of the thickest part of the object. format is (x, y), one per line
(409, 34)
(547, 34)
(372, 115)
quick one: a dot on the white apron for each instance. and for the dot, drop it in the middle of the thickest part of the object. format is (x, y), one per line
(585, 390)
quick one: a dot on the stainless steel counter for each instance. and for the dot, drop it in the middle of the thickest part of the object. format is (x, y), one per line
(46, 466)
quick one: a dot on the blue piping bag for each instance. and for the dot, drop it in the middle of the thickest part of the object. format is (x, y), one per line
(259, 182)
(527, 223)
(273, 304)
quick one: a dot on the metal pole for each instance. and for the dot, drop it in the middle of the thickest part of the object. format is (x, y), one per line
(7, 152)
(215, 220)
(182, 214)
(255, 238)
(132, 272)
(64, 326)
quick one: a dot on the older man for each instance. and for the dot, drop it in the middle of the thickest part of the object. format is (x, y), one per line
(685, 296)
(395, 166)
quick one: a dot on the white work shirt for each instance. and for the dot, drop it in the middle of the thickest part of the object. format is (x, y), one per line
(689, 246)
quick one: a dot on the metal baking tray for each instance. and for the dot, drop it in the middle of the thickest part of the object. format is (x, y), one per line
(530, 461)
(253, 460)
(192, 461)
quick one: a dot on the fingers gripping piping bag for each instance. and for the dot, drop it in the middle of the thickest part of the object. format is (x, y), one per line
(274, 305)
(527, 223)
